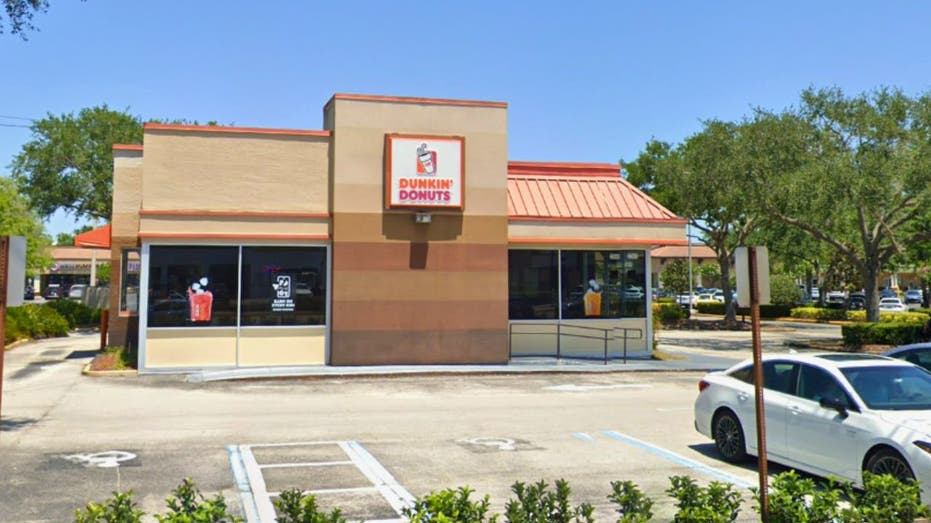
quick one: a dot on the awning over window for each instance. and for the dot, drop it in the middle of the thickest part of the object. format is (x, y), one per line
(579, 191)
(99, 237)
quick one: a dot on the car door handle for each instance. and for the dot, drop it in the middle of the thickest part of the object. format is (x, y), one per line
(795, 410)
(742, 396)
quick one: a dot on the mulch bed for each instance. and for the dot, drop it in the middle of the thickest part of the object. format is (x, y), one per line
(710, 325)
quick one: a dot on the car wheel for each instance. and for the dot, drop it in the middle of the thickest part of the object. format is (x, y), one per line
(888, 461)
(729, 437)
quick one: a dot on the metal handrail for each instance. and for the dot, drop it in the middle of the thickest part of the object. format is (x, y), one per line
(559, 334)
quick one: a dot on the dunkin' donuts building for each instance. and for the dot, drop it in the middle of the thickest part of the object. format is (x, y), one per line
(398, 234)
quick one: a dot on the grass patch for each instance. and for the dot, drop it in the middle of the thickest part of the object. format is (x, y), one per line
(113, 358)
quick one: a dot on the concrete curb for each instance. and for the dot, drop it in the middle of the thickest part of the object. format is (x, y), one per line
(86, 370)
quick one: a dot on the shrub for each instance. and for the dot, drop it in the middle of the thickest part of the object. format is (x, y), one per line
(716, 503)
(449, 505)
(783, 290)
(890, 333)
(768, 311)
(665, 300)
(793, 499)
(885, 499)
(818, 314)
(889, 316)
(536, 504)
(35, 321)
(293, 506)
(710, 307)
(188, 505)
(670, 313)
(118, 509)
(632, 505)
(77, 314)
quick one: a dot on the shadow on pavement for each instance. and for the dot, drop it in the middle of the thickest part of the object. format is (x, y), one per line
(14, 424)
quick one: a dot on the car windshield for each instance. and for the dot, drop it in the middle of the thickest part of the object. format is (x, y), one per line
(891, 387)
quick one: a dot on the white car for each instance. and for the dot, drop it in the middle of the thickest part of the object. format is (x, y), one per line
(826, 414)
(892, 305)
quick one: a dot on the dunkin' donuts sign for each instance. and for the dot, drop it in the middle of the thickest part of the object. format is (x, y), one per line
(424, 171)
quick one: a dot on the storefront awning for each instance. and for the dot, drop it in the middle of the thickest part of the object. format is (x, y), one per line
(579, 192)
(99, 237)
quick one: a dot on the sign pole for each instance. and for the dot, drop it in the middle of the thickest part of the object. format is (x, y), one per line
(4, 263)
(758, 385)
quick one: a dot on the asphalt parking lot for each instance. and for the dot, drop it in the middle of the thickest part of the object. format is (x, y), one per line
(368, 445)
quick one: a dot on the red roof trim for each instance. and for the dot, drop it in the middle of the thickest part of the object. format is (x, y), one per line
(127, 147)
(596, 241)
(564, 169)
(98, 238)
(515, 218)
(229, 236)
(233, 214)
(414, 100)
(232, 130)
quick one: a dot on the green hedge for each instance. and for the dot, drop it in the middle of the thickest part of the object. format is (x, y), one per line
(670, 312)
(33, 321)
(766, 311)
(76, 313)
(883, 333)
(665, 300)
(886, 317)
(818, 313)
(709, 307)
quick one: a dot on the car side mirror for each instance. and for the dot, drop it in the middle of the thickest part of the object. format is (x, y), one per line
(836, 404)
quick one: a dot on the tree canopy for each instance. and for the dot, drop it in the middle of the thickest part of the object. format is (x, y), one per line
(853, 173)
(17, 219)
(68, 163)
(19, 15)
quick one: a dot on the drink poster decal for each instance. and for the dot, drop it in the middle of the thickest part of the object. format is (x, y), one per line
(424, 171)
(200, 300)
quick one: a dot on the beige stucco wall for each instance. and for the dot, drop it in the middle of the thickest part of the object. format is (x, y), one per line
(165, 348)
(359, 150)
(223, 226)
(220, 171)
(530, 338)
(649, 233)
(127, 193)
(282, 346)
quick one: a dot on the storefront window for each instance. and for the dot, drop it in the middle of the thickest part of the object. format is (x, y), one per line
(532, 285)
(129, 281)
(193, 286)
(283, 286)
(603, 284)
(595, 284)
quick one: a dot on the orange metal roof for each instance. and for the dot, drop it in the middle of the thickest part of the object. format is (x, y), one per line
(578, 192)
(99, 237)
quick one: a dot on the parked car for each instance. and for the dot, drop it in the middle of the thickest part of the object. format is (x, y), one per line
(52, 291)
(888, 293)
(685, 300)
(917, 353)
(77, 292)
(892, 305)
(913, 297)
(705, 297)
(835, 299)
(856, 302)
(826, 414)
(633, 292)
(29, 293)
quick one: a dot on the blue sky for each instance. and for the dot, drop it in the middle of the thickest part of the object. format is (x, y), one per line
(585, 81)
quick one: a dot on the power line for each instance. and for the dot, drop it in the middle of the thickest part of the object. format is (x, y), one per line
(15, 125)
(8, 117)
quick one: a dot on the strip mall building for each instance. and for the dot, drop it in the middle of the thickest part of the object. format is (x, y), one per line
(398, 234)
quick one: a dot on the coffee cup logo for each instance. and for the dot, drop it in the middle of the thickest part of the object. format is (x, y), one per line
(426, 161)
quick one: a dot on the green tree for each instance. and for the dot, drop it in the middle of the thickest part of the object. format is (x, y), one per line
(675, 275)
(17, 219)
(67, 238)
(852, 172)
(702, 179)
(68, 163)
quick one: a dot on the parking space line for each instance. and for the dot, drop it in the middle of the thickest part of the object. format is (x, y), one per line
(305, 464)
(257, 500)
(680, 460)
(266, 511)
(242, 484)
